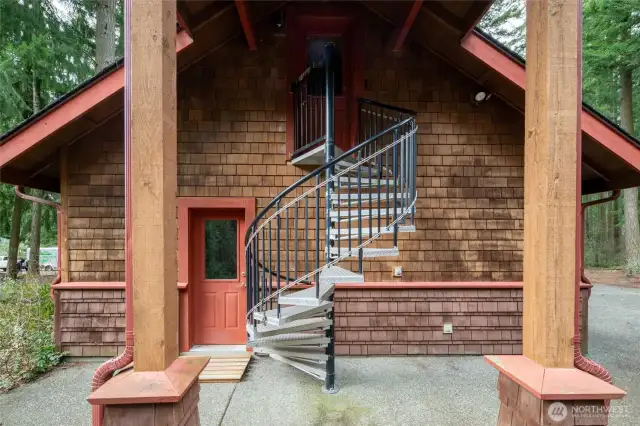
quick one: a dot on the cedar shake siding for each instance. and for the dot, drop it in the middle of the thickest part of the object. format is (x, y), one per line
(368, 322)
(232, 143)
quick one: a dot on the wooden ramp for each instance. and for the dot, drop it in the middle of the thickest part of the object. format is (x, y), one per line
(225, 368)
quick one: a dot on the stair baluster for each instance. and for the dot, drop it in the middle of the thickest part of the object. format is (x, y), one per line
(374, 179)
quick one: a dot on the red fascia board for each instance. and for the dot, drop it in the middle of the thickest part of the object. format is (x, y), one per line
(591, 125)
(70, 110)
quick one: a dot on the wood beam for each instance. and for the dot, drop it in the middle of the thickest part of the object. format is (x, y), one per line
(211, 13)
(153, 174)
(552, 149)
(443, 15)
(247, 24)
(475, 13)
(64, 214)
(408, 23)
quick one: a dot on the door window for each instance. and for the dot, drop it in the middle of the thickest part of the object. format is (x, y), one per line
(220, 249)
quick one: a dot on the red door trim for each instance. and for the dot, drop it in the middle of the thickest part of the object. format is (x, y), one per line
(187, 206)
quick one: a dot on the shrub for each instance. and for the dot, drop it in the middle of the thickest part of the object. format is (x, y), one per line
(26, 331)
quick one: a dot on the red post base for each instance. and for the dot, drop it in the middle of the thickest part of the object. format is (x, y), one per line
(532, 395)
(168, 397)
(519, 407)
(182, 413)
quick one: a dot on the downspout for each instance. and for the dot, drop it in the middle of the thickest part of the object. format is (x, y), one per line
(106, 370)
(579, 360)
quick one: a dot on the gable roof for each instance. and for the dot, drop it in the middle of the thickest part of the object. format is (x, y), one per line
(611, 157)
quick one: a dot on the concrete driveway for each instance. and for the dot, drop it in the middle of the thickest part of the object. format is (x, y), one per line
(436, 391)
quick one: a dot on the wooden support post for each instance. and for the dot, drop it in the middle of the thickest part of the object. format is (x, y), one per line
(552, 144)
(154, 183)
(64, 214)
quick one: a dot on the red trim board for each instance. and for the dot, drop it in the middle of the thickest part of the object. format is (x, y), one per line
(182, 285)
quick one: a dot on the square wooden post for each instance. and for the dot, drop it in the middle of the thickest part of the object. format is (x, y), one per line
(552, 135)
(162, 388)
(542, 387)
(154, 183)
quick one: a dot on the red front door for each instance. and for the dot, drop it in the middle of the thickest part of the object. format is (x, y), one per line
(220, 294)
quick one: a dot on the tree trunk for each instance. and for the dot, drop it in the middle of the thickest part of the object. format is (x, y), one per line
(105, 33)
(14, 242)
(34, 241)
(631, 229)
(36, 209)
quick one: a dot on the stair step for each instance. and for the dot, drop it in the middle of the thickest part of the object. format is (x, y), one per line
(353, 180)
(363, 170)
(307, 297)
(290, 339)
(366, 252)
(352, 197)
(352, 214)
(343, 232)
(315, 354)
(315, 371)
(338, 275)
(292, 327)
(292, 313)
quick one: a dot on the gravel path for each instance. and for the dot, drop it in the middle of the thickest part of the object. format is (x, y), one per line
(438, 391)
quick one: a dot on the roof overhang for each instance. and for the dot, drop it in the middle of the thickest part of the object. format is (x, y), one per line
(611, 158)
(592, 124)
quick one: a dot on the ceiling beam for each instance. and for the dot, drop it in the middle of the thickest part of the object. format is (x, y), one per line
(443, 15)
(247, 24)
(408, 23)
(211, 13)
(475, 13)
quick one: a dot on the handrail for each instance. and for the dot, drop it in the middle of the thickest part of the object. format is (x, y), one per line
(319, 170)
(354, 249)
(391, 107)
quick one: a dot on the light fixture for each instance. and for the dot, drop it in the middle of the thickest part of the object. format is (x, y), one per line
(480, 97)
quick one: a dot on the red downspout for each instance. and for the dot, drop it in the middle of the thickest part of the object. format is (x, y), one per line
(579, 360)
(106, 370)
(59, 214)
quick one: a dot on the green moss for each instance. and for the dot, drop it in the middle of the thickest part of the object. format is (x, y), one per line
(337, 410)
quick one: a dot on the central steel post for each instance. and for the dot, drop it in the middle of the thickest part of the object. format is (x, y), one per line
(330, 382)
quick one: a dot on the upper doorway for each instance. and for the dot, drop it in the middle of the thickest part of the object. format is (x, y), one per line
(218, 282)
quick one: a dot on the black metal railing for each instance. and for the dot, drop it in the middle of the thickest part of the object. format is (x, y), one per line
(309, 108)
(284, 246)
(351, 201)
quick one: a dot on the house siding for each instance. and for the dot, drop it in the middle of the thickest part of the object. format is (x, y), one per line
(368, 322)
(232, 143)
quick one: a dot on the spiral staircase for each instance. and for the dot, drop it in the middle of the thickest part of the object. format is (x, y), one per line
(350, 208)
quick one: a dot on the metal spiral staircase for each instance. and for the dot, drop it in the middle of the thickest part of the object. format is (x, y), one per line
(351, 208)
